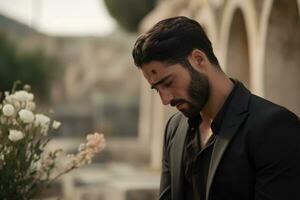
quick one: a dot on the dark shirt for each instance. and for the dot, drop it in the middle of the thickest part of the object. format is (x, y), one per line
(196, 159)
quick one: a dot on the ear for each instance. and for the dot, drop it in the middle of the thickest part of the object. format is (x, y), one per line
(198, 60)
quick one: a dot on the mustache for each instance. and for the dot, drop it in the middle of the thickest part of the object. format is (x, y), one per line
(175, 102)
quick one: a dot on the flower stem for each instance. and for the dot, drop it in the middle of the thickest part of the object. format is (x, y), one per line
(60, 174)
(16, 83)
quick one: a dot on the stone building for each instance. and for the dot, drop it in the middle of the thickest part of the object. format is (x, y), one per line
(256, 41)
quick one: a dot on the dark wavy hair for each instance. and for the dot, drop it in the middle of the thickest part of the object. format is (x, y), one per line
(172, 40)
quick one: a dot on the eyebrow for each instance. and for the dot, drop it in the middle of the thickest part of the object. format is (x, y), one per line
(153, 86)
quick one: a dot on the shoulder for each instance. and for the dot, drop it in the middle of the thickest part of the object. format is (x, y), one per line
(264, 113)
(272, 124)
(273, 139)
(172, 125)
(174, 121)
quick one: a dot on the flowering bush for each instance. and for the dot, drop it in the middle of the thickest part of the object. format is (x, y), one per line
(26, 168)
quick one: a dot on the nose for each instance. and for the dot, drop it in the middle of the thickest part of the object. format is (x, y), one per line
(165, 97)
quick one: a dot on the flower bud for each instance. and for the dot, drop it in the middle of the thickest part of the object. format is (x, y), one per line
(26, 116)
(8, 110)
(15, 135)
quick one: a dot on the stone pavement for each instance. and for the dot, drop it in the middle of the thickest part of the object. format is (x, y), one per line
(111, 181)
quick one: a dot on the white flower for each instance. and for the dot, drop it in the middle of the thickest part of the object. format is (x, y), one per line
(56, 124)
(17, 105)
(30, 105)
(8, 110)
(15, 135)
(23, 95)
(41, 120)
(9, 98)
(26, 116)
(30, 96)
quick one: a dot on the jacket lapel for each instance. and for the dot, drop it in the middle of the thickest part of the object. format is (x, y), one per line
(176, 160)
(234, 118)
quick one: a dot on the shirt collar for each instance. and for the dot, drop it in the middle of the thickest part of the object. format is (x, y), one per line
(195, 121)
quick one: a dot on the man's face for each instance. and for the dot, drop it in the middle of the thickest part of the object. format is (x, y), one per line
(187, 89)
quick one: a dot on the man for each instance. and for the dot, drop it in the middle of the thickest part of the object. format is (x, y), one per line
(225, 143)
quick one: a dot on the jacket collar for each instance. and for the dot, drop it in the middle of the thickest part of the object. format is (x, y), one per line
(234, 117)
(176, 160)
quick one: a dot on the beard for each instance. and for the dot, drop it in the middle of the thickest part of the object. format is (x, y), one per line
(198, 91)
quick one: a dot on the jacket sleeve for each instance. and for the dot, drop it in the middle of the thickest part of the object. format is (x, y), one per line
(276, 156)
(165, 182)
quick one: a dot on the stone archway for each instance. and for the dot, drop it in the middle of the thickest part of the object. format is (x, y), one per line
(207, 19)
(237, 59)
(234, 9)
(282, 60)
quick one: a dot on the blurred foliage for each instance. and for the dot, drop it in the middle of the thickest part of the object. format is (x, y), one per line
(130, 12)
(33, 67)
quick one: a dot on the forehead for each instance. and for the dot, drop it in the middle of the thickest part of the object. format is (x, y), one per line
(155, 70)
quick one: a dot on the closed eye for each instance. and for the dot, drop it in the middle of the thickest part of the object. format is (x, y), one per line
(164, 82)
(167, 83)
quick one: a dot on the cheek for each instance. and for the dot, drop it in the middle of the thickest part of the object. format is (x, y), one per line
(181, 89)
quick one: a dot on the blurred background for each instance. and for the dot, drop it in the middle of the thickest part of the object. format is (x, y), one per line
(76, 55)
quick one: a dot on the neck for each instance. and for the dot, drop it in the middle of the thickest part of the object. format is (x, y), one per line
(220, 89)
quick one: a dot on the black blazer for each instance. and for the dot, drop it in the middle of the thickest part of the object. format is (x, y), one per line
(256, 155)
